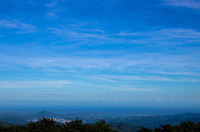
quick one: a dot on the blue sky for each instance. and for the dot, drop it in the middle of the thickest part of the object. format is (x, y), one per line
(108, 52)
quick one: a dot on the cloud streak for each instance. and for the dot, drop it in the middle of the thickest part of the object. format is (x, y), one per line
(193, 4)
(136, 89)
(127, 63)
(36, 84)
(152, 37)
(90, 35)
(52, 4)
(16, 24)
(163, 36)
(127, 88)
(123, 78)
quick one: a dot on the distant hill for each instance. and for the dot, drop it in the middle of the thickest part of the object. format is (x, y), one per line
(50, 125)
(42, 114)
(155, 121)
(119, 122)
(187, 115)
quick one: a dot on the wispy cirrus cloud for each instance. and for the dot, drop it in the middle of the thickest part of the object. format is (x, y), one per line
(176, 73)
(86, 35)
(7, 67)
(16, 24)
(137, 89)
(36, 84)
(52, 4)
(53, 8)
(166, 33)
(127, 88)
(193, 4)
(127, 63)
(154, 37)
(145, 78)
(47, 93)
(163, 36)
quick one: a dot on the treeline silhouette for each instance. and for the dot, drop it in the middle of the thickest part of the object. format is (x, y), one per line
(183, 127)
(50, 125)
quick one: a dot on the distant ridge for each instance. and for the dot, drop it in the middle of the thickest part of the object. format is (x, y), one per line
(41, 114)
(45, 113)
(88, 118)
(188, 114)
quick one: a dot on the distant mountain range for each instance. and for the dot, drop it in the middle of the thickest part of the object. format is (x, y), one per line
(125, 123)
(155, 121)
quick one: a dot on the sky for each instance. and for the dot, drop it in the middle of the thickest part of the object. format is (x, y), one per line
(100, 52)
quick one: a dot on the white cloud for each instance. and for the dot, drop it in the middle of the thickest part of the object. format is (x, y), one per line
(140, 63)
(146, 78)
(101, 78)
(83, 34)
(193, 4)
(157, 100)
(165, 36)
(135, 89)
(121, 88)
(175, 73)
(7, 67)
(114, 99)
(35, 84)
(178, 33)
(52, 4)
(78, 35)
(51, 14)
(53, 8)
(16, 24)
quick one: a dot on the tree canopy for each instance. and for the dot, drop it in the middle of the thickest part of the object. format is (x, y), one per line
(183, 127)
(50, 125)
